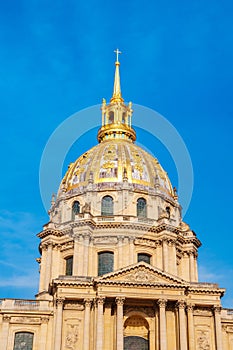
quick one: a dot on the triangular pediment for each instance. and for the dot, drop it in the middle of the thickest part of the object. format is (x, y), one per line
(141, 273)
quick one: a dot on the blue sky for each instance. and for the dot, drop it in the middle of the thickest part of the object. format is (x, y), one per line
(57, 58)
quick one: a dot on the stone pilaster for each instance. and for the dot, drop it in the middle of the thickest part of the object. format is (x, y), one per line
(191, 334)
(165, 255)
(191, 266)
(75, 257)
(218, 327)
(85, 255)
(43, 268)
(120, 325)
(86, 328)
(182, 325)
(131, 250)
(58, 324)
(48, 267)
(162, 324)
(43, 332)
(120, 257)
(5, 330)
(100, 323)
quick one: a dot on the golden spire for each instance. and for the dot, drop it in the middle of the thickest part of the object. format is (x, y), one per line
(116, 97)
(116, 116)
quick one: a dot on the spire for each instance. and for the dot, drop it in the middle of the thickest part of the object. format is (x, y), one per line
(116, 116)
(116, 97)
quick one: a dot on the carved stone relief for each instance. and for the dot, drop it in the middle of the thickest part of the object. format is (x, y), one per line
(71, 336)
(203, 342)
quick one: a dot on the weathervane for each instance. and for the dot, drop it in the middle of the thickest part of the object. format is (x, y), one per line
(117, 52)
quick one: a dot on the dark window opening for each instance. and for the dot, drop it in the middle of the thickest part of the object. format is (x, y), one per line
(75, 209)
(23, 341)
(107, 206)
(105, 262)
(69, 266)
(141, 208)
(144, 257)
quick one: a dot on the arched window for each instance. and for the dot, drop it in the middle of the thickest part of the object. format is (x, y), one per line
(105, 262)
(23, 341)
(168, 211)
(111, 117)
(107, 206)
(75, 209)
(141, 208)
(144, 257)
(69, 266)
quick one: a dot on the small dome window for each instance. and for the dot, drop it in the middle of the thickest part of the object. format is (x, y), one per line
(141, 208)
(75, 209)
(107, 206)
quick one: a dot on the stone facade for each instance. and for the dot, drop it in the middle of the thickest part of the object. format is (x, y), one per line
(118, 266)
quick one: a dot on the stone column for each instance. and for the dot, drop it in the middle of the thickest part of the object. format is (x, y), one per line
(162, 324)
(75, 257)
(86, 328)
(120, 241)
(191, 267)
(182, 325)
(43, 268)
(191, 337)
(131, 250)
(165, 256)
(58, 324)
(100, 323)
(78, 256)
(48, 266)
(85, 255)
(172, 257)
(5, 329)
(43, 332)
(120, 325)
(218, 327)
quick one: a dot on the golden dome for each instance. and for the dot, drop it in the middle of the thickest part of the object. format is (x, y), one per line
(116, 159)
(113, 162)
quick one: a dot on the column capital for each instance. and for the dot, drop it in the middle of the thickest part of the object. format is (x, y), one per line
(44, 319)
(180, 304)
(6, 318)
(162, 303)
(59, 301)
(100, 300)
(88, 302)
(217, 309)
(120, 300)
(190, 307)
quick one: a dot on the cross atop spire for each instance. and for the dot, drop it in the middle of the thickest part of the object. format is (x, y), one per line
(117, 52)
(116, 97)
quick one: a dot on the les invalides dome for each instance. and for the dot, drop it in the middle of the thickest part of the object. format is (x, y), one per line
(118, 266)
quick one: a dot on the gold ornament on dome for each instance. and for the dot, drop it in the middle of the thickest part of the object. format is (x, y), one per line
(116, 155)
(108, 165)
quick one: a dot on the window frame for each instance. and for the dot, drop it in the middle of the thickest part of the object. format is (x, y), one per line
(141, 211)
(102, 271)
(147, 255)
(107, 210)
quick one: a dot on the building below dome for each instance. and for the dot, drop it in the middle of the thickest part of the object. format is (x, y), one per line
(118, 266)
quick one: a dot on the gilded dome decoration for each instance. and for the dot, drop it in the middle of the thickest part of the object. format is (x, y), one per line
(117, 159)
(112, 162)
